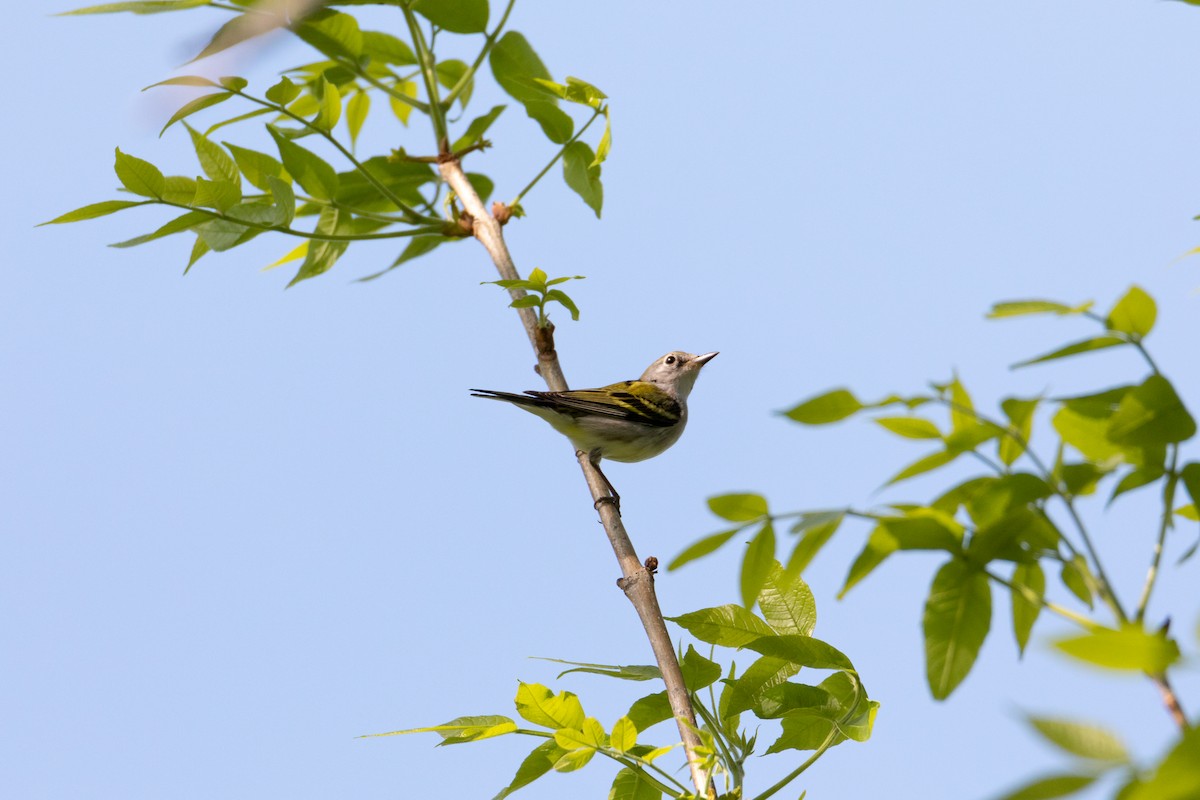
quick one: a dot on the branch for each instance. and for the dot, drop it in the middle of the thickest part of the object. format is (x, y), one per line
(637, 581)
(1171, 701)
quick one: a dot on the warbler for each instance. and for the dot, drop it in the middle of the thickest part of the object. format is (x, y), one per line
(625, 421)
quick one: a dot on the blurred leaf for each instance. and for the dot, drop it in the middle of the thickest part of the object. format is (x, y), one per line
(283, 92)
(1134, 313)
(137, 7)
(1130, 648)
(738, 507)
(1001, 538)
(1077, 577)
(313, 174)
(1081, 479)
(958, 615)
(1020, 417)
(298, 252)
(1190, 511)
(221, 195)
(1051, 787)
(221, 235)
(728, 625)
(924, 464)
(582, 175)
(1078, 739)
(482, 185)
(1085, 346)
(517, 67)
(1088, 435)
(450, 72)
(535, 765)
(401, 109)
(814, 537)
(1136, 478)
(701, 548)
(925, 529)
(331, 106)
(257, 167)
(1178, 776)
(1015, 308)
(95, 210)
(1025, 612)
(456, 16)
(241, 28)
(539, 705)
(825, 408)
(910, 427)
(757, 563)
(787, 603)
(880, 544)
(138, 176)
(1151, 414)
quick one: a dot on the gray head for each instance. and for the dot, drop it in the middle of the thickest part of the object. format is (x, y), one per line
(677, 371)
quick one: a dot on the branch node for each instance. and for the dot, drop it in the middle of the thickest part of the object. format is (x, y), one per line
(501, 212)
(652, 565)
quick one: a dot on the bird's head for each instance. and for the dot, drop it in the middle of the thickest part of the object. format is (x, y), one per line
(677, 371)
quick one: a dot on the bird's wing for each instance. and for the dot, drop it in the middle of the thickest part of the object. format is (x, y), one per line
(633, 401)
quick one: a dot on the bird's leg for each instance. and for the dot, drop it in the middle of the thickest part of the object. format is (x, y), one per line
(614, 498)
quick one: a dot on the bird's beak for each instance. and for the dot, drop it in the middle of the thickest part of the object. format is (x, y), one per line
(704, 359)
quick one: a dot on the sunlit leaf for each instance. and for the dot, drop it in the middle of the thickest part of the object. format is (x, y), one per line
(1129, 648)
(825, 408)
(727, 625)
(1134, 313)
(1078, 739)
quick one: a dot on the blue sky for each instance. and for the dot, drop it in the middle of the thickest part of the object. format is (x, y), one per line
(244, 525)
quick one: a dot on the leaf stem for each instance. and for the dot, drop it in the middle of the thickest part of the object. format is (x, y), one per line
(1166, 525)
(557, 156)
(323, 237)
(428, 74)
(1034, 597)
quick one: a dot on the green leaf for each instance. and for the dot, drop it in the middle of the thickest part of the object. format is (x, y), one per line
(321, 255)
(650, 710)
(221, 235)
(477, 129)
(535, 765)
(814, 537)
(401, 109)
(958, 614)
(727, 625)
(1014, 308)
(387, 49)
(241, 28)
(556, 124)
(221, 195)
(1088, 435)
(333, 33)
(482, 185)
(283, 92)
(178, 225)
(582, 92)
(463, 729)
(1190, 511)
(925, 464)
(1151, 414)
(416, 247)
(738, 507)
(1051, 787)
(698, 671)
(1190, 475)
(1129, 648)
(787, 603)
(880, 544)
(910, 427)
(539, 705)
(456, 16)
(517, 67)
(804, 651)
(757, 563)
(560, 297)
(450, 72)
(1078, 739)
(744, 692)
(636, 672)
(138, 176)
(574, 759)
(582, 176)
(1136, 478)
(1076, 576)
(331, 106)
(590, 735)
(313, 174)
(199, 248)
(138, 7)
(285, 199)
(1134, 313)
(192, 106)
(631, 785)
(1085, 346)
(623, 736)
(825, 408)
(1024, 611)
(925, 529)
(1178, 776)
(701, 548)
(101, 209)
(257, 167)
(215, 162)
(779, 700)
(1020, 417)
(605, 145)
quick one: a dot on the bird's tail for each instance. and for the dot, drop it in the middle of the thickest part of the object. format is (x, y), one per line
(529, 399)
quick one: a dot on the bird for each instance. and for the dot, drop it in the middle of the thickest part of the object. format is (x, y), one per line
(625, 421)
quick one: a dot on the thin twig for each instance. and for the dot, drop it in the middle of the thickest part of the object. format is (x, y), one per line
(1168, 515)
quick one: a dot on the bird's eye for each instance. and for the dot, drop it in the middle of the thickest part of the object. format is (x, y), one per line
(670, 360)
